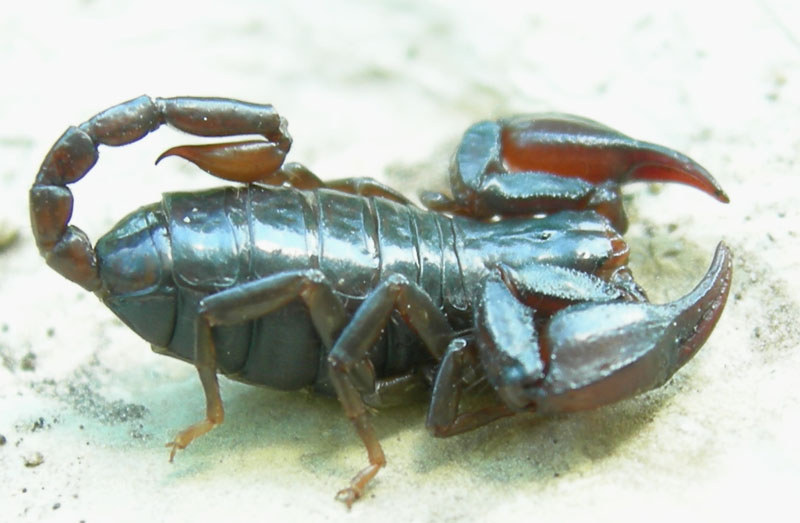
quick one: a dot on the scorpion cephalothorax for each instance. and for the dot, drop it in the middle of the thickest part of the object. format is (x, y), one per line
(519, 278)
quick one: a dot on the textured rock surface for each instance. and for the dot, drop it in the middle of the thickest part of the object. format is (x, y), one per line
(385, 90)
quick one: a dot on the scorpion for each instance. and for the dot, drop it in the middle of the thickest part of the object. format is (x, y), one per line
(518, 280)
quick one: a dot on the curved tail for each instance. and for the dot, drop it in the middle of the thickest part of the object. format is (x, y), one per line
(66, 248)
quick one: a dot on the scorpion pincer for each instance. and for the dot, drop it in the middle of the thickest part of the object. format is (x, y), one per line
(519, 279)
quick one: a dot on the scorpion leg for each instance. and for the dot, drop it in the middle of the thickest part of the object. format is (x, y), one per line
(367, 187)
(508, 348)
(396, 293)
(538, 164)
(254, 299)
(300, 177)
(247, 302)
(456, 370)
(397, 390)
(205, 360)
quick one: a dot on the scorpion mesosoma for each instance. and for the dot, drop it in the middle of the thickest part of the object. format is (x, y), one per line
(518, 279)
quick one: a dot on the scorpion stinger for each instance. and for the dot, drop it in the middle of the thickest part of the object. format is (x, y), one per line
(245, 161)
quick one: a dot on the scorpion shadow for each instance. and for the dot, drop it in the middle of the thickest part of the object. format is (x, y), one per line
(310, 433)
(529, 448)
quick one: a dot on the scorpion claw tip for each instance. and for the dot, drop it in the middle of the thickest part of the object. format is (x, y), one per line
(702, 308)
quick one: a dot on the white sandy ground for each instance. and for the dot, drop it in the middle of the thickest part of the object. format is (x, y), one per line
(385, 89)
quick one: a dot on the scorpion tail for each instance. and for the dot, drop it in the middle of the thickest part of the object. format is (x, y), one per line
(639, 348)
(65, 247)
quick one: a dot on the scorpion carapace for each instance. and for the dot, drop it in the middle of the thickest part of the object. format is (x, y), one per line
(518, 279)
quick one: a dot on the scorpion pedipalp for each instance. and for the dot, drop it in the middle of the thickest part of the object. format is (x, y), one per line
(593, 354)
(525, 165)
(574, 146)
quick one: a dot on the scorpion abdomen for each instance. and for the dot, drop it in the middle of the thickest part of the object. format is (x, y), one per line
(135, 268)
(160, 261)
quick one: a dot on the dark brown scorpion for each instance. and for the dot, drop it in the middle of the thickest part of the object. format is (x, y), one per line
(518, 279)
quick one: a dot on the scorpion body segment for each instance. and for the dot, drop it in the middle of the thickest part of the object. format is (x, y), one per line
(354, 241)
(519, 279)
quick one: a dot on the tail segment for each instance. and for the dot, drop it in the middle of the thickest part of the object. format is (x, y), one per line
(66, 248)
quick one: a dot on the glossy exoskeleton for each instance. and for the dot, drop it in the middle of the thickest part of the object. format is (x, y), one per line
(518, 279)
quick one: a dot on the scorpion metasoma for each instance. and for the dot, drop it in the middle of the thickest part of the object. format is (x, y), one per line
(519, 279)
